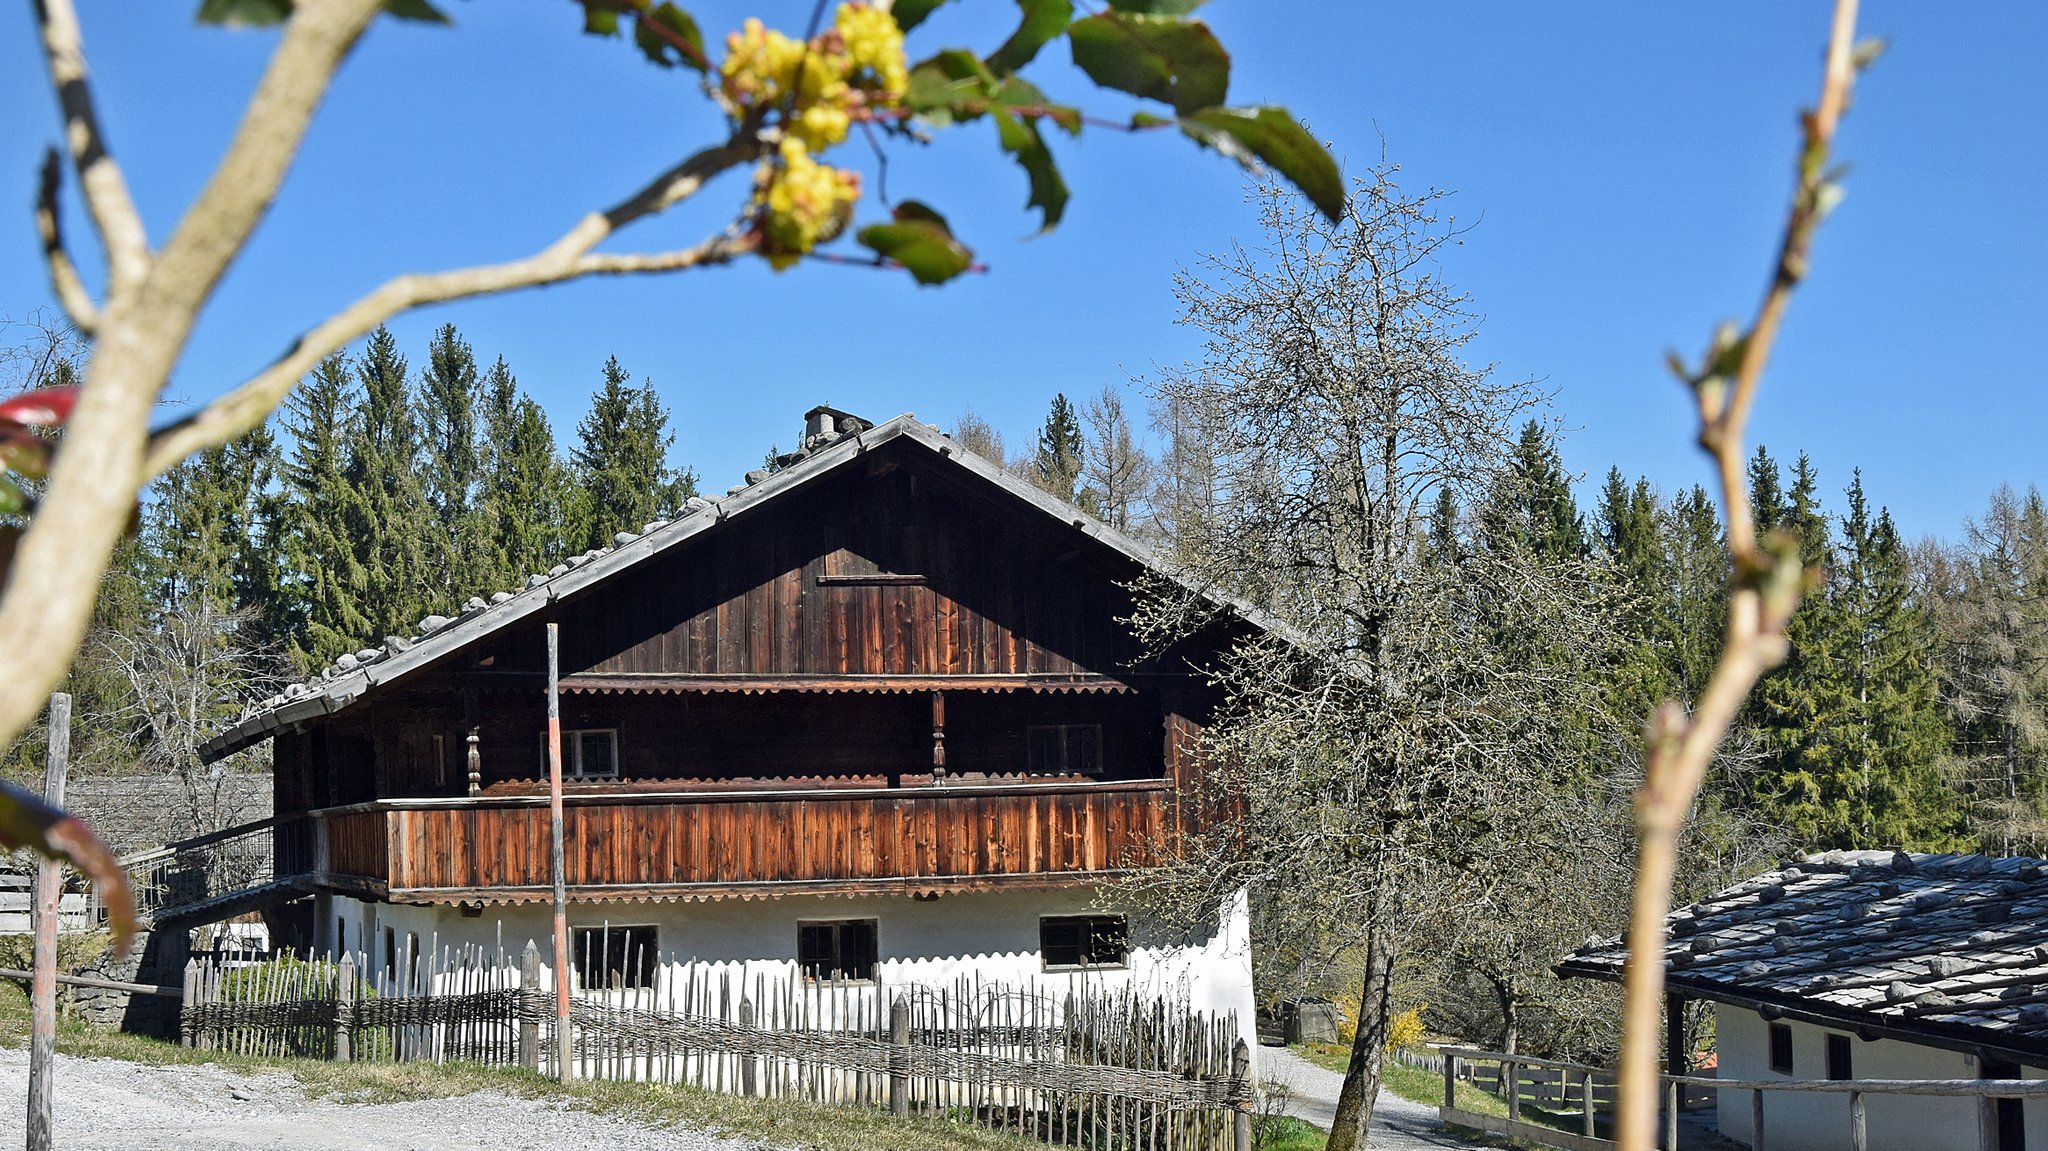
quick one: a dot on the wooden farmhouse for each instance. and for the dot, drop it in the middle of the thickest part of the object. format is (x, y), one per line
(1868, 965)
(871, 717)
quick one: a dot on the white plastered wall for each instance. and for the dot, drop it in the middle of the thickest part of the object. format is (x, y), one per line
(1807, 1121)
(993, 936)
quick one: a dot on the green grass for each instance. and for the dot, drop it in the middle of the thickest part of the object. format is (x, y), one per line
(1286, 1133)
(799, 1126)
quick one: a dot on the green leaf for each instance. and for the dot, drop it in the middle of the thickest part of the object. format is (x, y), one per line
(418, 10)
(910, 13)
(1269, 134)
(1178, 62)
(953, 85)
(600, 21)
(1018, 92)
(1044, 20)
(244, 13)
(13, 501)
(1157, 7)
(24, 454)
(920, 241)
(680, 25)
(1020, 138)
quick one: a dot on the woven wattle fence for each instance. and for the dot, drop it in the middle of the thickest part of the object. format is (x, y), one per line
(1094, 1069)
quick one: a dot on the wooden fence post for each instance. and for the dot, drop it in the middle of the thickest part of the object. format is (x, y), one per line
(899, 1056)
(344, 1008)
(49, 894)
(1756, 1120)
(1240, 1086)
(1859, 1138)
(749, 1065)
(187, 1034)
(1511, 1078)
(1586, 1125)
(1674, 1093)
(1450, 1080)
(529, 1025)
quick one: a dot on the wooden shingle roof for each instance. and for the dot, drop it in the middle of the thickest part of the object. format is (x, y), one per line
(1950, 950)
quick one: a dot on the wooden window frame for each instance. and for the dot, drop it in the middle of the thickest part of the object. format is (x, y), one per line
(645, 937)
(572, 753)
(1841, 1057)
(1779, 1048)
(1111, 931)
(811, 965)
(1065, 730)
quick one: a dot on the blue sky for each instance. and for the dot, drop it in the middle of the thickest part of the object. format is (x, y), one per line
(1626, 164)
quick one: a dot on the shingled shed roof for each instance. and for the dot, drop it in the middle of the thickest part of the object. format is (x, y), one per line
(1947, 950)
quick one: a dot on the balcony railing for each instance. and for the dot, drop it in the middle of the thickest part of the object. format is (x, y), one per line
(196, 878)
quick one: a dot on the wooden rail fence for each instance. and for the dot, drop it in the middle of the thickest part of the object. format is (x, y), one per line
(1094, 1070)
(1470, 1064)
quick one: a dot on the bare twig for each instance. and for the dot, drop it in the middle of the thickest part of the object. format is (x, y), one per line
(106, 190)
(71, 293)
(1763, 591)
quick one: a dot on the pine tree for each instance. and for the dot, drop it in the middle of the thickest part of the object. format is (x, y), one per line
(450, 394)
(1535, 507)
(1116, 475)
(1896, 734)
(528, 500)
(621, 460)
(391, 526)
(323, 563)
(1056, 465)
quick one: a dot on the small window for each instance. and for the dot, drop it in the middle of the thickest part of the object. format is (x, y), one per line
(1781, 1048)
(1075, 941)
(839, 951)
(1838, 1057)
(608, 958)
(1064, 749)
(589, 753)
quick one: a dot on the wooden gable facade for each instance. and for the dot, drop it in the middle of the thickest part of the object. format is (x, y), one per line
(893, 670)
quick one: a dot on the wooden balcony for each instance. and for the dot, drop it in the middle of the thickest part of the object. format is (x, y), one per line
(669, 845)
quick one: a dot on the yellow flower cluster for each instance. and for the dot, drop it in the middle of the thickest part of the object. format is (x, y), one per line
(855, 65)
(805, 203)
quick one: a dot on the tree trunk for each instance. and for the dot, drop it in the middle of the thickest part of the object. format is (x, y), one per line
(1368, 1047)
(1510, 1015)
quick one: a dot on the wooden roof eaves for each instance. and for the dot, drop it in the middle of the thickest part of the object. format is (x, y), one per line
(344, 689)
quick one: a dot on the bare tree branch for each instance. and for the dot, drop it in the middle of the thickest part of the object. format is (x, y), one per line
(71, 293)
(106, 190)
(570, 257)
(1763, 591)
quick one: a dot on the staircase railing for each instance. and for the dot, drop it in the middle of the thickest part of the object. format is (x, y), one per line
(191, 873)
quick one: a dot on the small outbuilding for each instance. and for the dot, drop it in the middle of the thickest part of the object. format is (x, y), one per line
(1869, 965)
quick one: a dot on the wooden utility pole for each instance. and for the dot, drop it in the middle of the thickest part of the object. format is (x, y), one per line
(562, 1024)
(42, 1044)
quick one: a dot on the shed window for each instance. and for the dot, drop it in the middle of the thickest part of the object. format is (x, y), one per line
(840, 950)
(1075, 941)
(587, 753)
(608, 958)
(1838, 1057)
(1064, 749)
(1781, 1048)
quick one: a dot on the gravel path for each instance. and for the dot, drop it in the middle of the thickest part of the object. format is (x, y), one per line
(1397, 1124)
(109, 1105)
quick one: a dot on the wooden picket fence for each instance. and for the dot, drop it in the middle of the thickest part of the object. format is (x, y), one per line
(1097, 1069)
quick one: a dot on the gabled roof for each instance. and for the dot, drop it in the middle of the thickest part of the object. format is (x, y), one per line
(822, 454)
(1946, 950)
